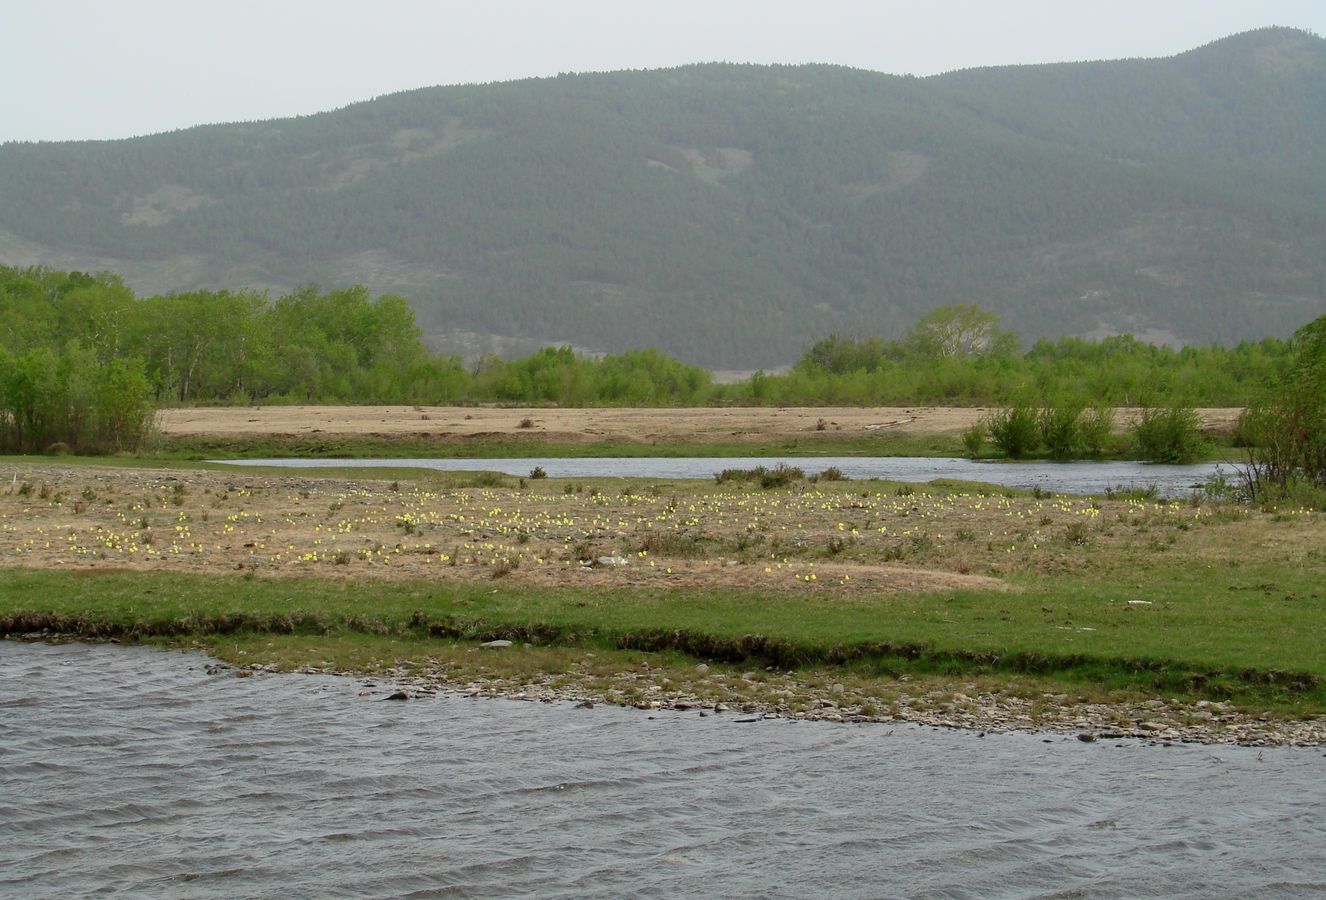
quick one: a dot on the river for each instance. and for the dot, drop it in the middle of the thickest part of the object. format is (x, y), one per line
(1087, 477)
(134, 770)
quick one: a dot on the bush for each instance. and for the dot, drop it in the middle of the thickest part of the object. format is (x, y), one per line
(1096, 428)
(780, 475)
(1014, 430)
(1286, 431)
(1077, 533)
(973, 439)
(1171, 434)
(1061, 429)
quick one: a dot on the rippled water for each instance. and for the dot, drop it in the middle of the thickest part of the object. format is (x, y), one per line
(126, 769)
(1066, 477)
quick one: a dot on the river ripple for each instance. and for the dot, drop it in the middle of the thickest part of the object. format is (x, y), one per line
(1082, 477)
(132, 770)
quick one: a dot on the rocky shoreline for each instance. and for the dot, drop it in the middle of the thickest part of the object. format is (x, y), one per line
(770, 694)
(784, 697)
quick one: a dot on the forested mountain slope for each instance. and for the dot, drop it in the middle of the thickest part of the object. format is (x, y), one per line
(731, 214)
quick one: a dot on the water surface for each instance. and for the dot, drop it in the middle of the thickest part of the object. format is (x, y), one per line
(131, 770)
(1066, 477)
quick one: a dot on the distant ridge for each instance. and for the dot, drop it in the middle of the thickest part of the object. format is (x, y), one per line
(732, 214)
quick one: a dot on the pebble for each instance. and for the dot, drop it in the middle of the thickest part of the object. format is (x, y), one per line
(981, 713)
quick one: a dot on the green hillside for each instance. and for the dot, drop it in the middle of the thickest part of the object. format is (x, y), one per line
(731, 214)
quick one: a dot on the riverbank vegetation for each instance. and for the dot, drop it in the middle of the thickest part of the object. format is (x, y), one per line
(1287, 426)
(72, 401)
(1122, 596)
(344, 346)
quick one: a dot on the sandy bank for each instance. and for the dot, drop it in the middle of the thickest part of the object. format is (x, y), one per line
(590, 425)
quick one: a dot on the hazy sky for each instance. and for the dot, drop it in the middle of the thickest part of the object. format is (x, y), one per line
(74, 69)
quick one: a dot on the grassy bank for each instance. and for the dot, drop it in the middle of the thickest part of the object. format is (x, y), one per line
(1256, 643)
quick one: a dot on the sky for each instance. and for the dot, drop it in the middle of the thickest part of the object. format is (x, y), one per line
(101, 69)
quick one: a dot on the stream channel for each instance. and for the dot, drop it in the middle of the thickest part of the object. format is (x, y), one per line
(131, 770)
(1060, 477)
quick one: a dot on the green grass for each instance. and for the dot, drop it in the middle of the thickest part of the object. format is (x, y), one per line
(1202, 634)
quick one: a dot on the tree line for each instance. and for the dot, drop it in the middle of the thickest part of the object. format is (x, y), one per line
(83, 362)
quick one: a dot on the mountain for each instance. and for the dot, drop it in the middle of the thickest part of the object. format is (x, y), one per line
(732, 214)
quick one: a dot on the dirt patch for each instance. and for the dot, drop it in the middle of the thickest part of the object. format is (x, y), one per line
(751, 424)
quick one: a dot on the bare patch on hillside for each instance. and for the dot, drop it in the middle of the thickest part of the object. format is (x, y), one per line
(609, 296)
(381, 270)
(164, 205)
(405, 145)
(904, 168)
(1164, 275)
(718, 164)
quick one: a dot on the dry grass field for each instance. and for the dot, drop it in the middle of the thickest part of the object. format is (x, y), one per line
(837, 537)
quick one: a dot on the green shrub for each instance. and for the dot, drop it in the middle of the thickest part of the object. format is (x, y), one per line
(973, 439)
(1286, 429)
(1096, 428)
(780, 475)
(1171, 434)
(1014, 430)
(1061, 429)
